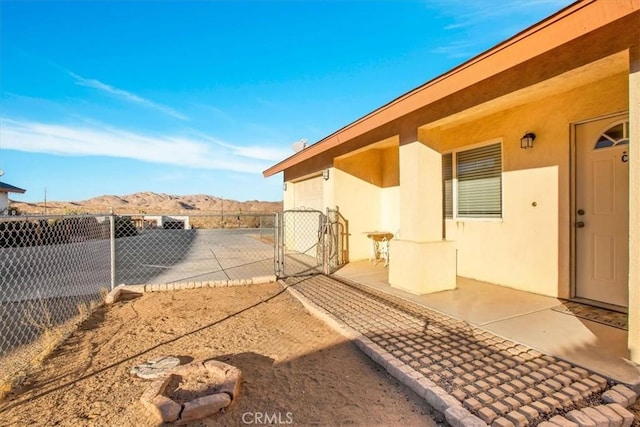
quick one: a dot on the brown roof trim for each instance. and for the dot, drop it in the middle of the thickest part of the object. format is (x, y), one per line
(576, 20)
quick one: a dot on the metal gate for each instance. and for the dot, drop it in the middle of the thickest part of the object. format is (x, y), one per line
(311, 242)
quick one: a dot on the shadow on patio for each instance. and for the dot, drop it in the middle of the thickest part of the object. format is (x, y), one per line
(526, 318)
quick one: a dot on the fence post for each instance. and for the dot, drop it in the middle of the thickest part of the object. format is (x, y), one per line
(112, 240)
(326, 262)
(276, 245)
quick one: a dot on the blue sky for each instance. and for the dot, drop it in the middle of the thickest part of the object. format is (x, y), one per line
(116, 97)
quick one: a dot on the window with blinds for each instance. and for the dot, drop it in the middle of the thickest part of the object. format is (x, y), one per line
(479, 177)
(447, 185)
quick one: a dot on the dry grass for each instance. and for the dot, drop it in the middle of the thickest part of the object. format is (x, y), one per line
(18, 364)
(5, 388)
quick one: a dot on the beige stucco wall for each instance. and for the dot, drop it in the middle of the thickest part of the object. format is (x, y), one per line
(421, 261)
(288, 196)
(360, 203)
(390, 209)
(366, 165)
(420, 193)
(529, 248)
(520, 250)
(390, 163)
(366, 206)
(329, 191)
(364, 186)
(422, 267)
(378, 166)
(4, 201)
(634, 204)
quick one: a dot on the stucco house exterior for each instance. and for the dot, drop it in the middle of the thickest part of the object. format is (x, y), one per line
(5, 189)
(520, 167)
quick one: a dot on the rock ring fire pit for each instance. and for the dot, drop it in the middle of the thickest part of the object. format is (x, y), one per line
(193, 391)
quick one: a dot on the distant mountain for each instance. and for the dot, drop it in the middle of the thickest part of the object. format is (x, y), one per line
(149, 202)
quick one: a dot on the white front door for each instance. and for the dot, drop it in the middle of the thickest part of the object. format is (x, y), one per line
(602, 211)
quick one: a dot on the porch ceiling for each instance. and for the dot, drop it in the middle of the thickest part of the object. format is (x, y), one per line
(598, 70)
(393, 141)
(377, 163)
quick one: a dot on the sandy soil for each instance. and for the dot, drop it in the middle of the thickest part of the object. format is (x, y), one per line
(635, 410)
(294, 367)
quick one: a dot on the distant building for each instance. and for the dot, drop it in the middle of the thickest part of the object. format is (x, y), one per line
(5, 189)
(173, 222)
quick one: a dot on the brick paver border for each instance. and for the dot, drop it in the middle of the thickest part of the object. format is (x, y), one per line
(438, 398)
(498, 383)
(119, 291)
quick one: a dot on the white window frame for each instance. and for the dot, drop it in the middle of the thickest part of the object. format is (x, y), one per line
(454, 195)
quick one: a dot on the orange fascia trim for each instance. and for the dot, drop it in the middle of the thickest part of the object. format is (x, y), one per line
(576, 20)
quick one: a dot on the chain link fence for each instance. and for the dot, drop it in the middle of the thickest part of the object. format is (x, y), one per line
(195, 248)
(55, 269)
(312, 242)
(337, 237)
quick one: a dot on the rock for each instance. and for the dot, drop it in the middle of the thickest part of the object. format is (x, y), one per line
(155, 388)
(225, 379)
(231, 381)
(163, 408)
(204, 406)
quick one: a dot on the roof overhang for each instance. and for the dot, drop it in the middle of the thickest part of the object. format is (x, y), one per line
(571, 23)
(8, 188)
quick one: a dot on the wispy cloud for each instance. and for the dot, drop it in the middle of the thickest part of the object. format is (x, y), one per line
(252, 151)
(264, 153)
(182, 151)
(471, 13)
(127, 96)
(216, 113)
(456, 49)
(480, 23)
(478, 12)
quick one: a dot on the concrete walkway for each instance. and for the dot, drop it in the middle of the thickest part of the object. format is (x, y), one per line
(469, 374)
(523, 317)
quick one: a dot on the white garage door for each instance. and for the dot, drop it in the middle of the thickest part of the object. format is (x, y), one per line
(309, 194)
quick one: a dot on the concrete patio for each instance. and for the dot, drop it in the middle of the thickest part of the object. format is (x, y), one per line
(522, 317)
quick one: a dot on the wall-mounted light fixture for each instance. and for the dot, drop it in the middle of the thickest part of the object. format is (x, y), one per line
(325, 174)
(527, 140)
(284, 186)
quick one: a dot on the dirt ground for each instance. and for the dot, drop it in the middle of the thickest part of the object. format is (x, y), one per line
(295, 370)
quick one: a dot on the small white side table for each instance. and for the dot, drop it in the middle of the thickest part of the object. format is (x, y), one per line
(379, 246)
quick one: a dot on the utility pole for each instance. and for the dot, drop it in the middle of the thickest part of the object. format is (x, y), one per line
(45, 200)
(222, 213)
